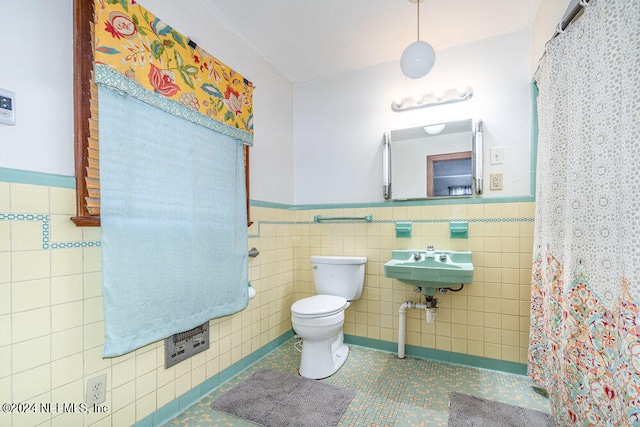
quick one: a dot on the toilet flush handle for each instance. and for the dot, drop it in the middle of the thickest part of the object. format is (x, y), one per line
(315, 267)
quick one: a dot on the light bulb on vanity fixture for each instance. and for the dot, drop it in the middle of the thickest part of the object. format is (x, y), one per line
(438, 97)
(418, 58)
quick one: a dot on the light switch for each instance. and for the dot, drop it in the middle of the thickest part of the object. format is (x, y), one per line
(7, 107)
(497, 155)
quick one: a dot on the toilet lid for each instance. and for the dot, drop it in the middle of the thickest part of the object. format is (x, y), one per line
(319, 305)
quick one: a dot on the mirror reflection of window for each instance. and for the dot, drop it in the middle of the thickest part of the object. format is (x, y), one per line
(450, 145)
(449, 174)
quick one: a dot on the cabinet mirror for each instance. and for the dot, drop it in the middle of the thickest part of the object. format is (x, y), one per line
(434, 160)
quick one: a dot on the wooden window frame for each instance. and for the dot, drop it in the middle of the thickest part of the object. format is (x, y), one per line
(82, 81)
(82, 76)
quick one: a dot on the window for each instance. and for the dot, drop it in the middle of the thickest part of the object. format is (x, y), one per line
(86, 149)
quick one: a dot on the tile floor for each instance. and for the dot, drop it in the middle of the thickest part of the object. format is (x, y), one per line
(388, 391)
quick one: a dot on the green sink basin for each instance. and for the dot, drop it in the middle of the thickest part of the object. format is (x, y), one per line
(433, 270)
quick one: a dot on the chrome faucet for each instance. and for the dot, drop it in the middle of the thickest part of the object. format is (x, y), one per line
(417, 256)
(430, 252)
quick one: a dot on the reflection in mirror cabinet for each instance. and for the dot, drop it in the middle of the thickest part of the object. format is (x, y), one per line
(438, 160)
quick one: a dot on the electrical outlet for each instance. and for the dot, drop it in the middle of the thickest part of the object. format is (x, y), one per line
(96, 390)
(495, 181)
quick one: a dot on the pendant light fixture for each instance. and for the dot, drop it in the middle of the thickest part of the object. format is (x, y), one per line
(418, 58)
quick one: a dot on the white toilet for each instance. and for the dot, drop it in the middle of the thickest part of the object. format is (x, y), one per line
(319, 319)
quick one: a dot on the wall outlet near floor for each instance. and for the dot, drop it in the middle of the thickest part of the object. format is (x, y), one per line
(96, 390)
(495, 181)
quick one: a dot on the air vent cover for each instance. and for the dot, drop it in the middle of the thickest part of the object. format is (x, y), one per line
(185, 344)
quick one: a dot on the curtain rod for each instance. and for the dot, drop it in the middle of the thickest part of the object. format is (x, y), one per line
(570, 16)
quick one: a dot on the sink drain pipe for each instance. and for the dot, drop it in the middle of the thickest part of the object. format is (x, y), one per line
(430, 310)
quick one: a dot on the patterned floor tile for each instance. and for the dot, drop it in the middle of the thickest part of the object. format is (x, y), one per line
(388, 391)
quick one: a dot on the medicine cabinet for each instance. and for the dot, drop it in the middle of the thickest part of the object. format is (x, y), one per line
(433, 160)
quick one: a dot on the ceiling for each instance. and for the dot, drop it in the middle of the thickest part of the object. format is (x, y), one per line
(307, 40)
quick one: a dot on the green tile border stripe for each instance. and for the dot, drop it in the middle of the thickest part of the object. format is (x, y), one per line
(436, 221)
(64, 181)
(534, 131)
(24, 217)
(271, 205)
(440, 355)
(70, 245)
(172, 409)
(396, 203)
(393, 221)
(387, 221)
(37, 178)
(46, 226)
(46, 231)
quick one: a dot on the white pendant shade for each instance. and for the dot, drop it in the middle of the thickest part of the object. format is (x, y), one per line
(417, 59)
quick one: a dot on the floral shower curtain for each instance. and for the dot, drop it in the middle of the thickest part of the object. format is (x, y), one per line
(585, 322)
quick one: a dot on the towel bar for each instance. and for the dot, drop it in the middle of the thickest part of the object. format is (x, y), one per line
(319, 218)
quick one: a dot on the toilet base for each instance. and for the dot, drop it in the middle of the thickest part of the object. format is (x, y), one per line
(322, 358)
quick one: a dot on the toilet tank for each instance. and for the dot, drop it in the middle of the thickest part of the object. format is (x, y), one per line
(341, 276)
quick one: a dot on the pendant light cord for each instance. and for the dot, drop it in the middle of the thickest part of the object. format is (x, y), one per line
(418, 3)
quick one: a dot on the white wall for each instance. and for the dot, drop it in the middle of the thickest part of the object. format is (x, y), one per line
(550, 13)
(339, 121)
(272, 152)
(36, 54)
(332, 152)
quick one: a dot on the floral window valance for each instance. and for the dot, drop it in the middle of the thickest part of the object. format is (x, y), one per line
(141, 55)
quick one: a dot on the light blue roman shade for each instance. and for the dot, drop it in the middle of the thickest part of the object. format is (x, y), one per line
(174, 223)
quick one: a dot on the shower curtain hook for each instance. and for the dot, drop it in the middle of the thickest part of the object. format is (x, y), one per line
(584, 3)
(559, 29)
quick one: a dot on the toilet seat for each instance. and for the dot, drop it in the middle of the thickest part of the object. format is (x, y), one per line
(319, 306)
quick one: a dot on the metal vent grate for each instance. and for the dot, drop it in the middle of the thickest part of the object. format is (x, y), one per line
(183, 345)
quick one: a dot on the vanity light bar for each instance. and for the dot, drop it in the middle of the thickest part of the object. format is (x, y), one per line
(439, 97)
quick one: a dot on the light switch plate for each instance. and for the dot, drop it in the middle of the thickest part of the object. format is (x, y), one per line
(7, 107)
(497, 155)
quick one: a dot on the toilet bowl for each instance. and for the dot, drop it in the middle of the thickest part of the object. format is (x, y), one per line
(319, 319)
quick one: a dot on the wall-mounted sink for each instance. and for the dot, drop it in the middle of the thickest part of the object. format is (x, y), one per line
(430, 270)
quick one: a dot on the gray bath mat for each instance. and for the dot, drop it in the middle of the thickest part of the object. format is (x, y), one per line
(466, 410)
(273, 398)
